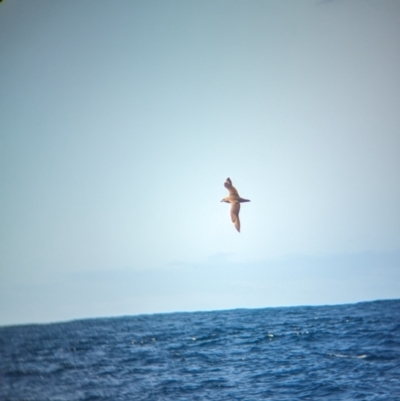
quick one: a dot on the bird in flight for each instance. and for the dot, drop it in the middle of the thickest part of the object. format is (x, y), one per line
(235, 200)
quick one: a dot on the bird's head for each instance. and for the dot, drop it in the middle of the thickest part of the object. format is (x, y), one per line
(225, 200)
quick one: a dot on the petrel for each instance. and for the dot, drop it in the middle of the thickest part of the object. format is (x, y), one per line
(235, 200)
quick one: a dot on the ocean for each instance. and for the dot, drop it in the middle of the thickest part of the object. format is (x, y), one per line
(342, 352)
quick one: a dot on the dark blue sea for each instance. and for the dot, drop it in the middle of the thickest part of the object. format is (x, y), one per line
(344, 352)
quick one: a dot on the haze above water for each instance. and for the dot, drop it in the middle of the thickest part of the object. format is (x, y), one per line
(120, 121)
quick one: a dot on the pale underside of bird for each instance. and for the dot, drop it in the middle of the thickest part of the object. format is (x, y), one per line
(235, 200)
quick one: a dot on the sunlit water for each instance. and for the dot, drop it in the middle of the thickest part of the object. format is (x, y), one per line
(346, 352)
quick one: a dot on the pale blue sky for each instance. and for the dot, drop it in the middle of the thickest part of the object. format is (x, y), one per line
(120, 122)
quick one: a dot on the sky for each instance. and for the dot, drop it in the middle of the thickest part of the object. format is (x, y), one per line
(120, 121)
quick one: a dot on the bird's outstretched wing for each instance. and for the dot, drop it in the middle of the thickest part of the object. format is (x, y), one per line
(235, 209)
(232, 190)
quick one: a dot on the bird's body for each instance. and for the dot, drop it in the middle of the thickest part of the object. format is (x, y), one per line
(235, 200)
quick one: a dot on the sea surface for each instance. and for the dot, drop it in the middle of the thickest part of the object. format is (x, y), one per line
(344, 352)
